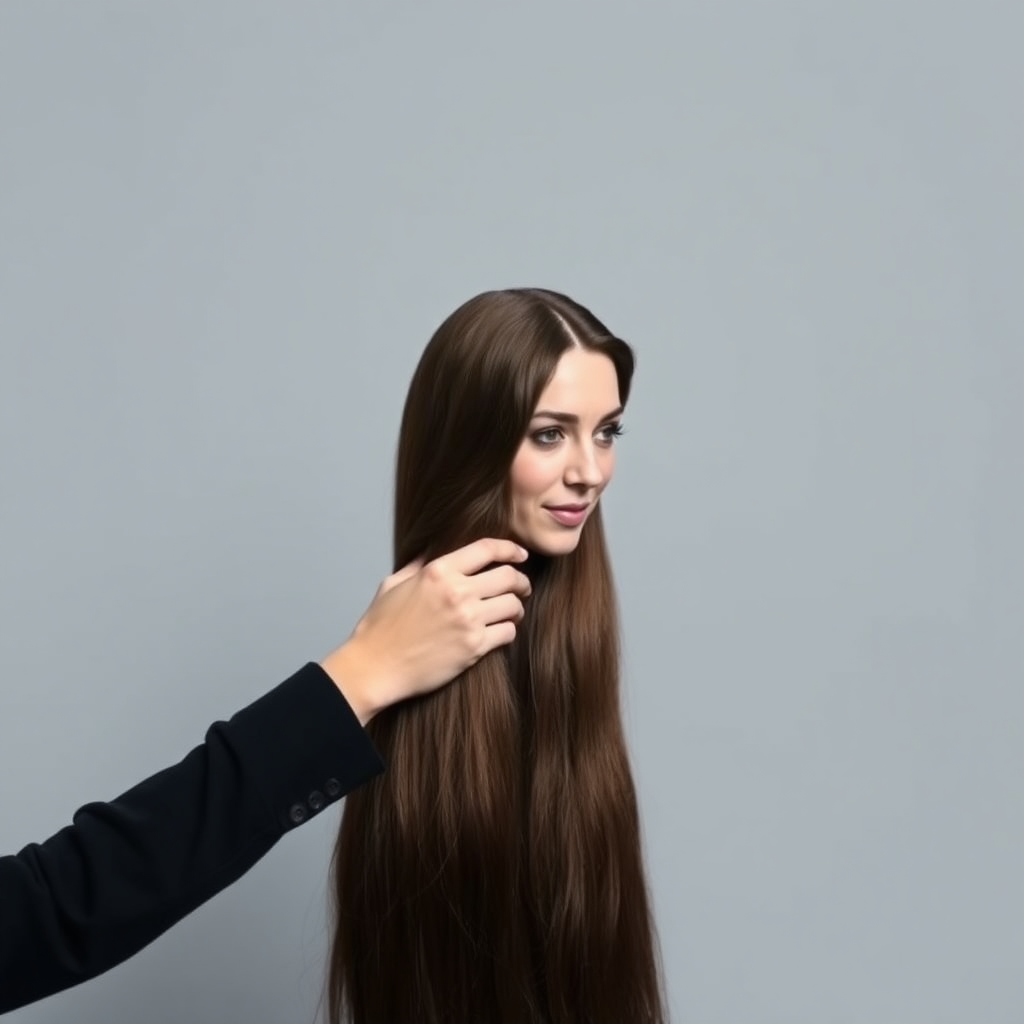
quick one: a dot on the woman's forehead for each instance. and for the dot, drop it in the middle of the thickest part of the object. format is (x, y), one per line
(584, 384)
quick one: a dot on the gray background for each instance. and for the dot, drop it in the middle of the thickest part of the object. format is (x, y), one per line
(226, 234)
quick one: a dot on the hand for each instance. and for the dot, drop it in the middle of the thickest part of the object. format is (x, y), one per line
(428, 623)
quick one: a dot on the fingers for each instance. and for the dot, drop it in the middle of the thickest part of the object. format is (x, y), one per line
(498, 635)
(473, 557)
(500, 609)
(501, 580)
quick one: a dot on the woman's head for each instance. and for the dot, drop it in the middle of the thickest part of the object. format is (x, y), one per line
(512, 411)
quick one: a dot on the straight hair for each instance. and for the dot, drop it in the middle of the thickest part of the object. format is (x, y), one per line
(494, 873)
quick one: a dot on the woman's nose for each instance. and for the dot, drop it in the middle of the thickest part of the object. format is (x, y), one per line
(584, 468)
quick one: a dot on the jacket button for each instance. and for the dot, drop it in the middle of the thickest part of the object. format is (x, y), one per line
(297, 814)
(316, 800)
(333, 788)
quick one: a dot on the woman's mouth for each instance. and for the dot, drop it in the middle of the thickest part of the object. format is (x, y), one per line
(568, 515)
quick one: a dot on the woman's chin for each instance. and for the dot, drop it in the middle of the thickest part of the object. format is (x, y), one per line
(552, 547)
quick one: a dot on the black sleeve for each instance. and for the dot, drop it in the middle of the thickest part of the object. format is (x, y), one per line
(101, 889)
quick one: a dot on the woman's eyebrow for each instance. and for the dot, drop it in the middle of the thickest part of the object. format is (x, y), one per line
(572, 418)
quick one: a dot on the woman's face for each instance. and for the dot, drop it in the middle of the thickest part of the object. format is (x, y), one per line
(568, 454)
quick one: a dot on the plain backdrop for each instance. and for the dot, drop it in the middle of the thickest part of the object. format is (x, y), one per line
(227, 231)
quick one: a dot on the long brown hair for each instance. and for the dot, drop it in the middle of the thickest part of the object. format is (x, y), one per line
(494, 873)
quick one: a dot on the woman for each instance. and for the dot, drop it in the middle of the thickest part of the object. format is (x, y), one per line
(494, 873)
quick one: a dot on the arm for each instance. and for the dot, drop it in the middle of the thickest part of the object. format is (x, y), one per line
(101, 889)
(125, 871)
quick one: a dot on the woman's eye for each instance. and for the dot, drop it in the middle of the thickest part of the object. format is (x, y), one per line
(544, 436)
(551, 436)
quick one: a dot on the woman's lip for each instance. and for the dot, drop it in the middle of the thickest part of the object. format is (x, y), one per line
(568, 508)
(567, 516)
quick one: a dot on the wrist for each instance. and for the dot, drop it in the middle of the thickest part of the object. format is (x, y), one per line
(357, 678)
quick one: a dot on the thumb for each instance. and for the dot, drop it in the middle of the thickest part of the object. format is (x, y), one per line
(406, 572)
